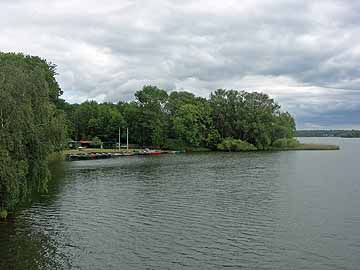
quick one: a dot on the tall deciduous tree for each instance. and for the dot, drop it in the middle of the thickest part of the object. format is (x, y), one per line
(31, 126)
(152, 121)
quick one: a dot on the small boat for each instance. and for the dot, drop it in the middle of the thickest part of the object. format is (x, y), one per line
(126, 154)
(149, 152)
(154, 153)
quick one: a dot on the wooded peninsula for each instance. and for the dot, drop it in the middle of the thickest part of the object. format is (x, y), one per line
(35, 122)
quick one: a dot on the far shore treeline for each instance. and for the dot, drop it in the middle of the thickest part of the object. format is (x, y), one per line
(178, 120)
(35, 122)
(328, 133)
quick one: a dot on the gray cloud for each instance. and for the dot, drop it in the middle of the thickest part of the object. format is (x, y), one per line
(303, 53)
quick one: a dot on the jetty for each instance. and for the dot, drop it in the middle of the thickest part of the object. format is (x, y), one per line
(105, 154)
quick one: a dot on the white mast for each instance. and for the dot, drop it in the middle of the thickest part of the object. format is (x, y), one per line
(127, 139)
(119, 138)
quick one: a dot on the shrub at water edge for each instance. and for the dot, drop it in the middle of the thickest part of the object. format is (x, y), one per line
(235, 145)
(286, 143)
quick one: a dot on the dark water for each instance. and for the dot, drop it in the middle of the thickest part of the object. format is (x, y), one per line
(280, 210)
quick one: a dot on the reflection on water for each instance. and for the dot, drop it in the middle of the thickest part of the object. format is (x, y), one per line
(24, 246)
(280, 210)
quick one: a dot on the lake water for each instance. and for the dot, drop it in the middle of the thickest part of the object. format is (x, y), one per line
(270, 210)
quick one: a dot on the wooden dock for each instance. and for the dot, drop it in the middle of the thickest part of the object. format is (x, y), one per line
(107, 155)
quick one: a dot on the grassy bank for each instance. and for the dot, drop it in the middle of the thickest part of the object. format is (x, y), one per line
(308, 146)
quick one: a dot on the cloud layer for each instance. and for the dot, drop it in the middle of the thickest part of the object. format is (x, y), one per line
(306, 54)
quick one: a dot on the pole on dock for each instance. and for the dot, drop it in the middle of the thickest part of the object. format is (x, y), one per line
(119, 139)
(127, 139)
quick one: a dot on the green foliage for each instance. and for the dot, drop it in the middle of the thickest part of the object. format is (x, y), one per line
(191, 123)
(152, 118)
(3, 213)
(97, 142)
(91, 119)
(251, 117)
(31, 126)
(235, 145)
(178, 99)
(286, 143)
(284, 126)
(213, 139)
(174, 144)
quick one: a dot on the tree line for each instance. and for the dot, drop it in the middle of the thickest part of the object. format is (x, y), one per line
(180, 119)
(328, 133)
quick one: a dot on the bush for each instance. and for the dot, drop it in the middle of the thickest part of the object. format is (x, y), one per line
(230, 144)
(3, 213)
(174, 144)
(96, 143)
(286, 143)
(213, 138)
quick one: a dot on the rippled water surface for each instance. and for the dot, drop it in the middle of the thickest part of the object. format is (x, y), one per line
(271, 210)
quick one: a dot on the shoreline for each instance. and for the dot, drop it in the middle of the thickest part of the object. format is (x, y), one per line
(95, 153)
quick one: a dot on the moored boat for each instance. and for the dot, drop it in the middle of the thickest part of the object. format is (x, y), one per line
(150, 152)
(154, 153)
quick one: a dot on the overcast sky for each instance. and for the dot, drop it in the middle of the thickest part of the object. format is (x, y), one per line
(305, 54)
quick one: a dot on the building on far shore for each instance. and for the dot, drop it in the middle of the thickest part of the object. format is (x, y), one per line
(90, 144)
(82, 143)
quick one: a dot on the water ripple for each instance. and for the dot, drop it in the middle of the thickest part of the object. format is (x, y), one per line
(212, 211)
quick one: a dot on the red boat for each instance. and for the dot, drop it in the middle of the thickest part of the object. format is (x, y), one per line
(150, 152)
(154, 153)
